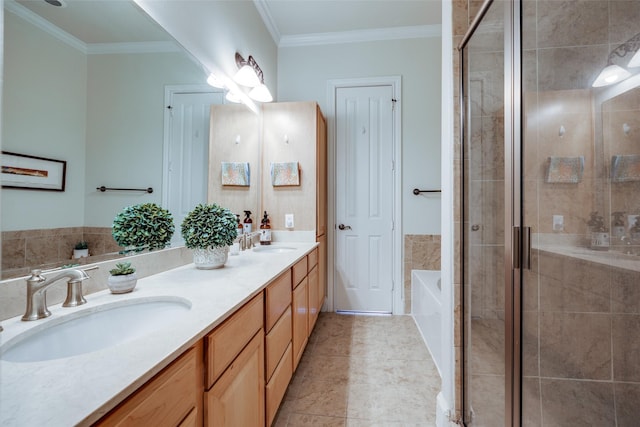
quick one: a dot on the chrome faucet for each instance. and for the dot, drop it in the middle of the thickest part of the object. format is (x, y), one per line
(37, 286)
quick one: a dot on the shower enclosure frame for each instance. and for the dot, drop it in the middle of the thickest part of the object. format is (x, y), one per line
(516, 236)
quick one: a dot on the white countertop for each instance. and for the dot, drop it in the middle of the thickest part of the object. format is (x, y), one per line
(608, 258)
(78, 390)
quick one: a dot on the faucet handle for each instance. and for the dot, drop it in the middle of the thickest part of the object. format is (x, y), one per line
(74, 291)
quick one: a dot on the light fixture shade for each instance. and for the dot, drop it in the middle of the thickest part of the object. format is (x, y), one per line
(635, 60)
(233, 97)
(261, 93)
(215, 81)
(246, 76)
(610, 75)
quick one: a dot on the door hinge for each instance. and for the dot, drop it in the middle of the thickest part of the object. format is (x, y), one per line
(393, 104)
(393, 225)
(393, 165)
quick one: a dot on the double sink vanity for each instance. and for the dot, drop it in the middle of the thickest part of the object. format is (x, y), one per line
(187, 347)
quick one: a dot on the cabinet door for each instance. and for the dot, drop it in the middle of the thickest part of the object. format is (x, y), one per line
(171, 397)
(314, 298)
(300, 301)
(237, 398)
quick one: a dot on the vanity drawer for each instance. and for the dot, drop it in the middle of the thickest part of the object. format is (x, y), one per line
(171, 397)
(228, 339)
(277, 387)
(313, 259)
(299, 272)
(277, 299)
(277, 341)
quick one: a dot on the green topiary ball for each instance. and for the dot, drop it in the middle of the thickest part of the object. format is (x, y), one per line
(142, 226)
(209, 225)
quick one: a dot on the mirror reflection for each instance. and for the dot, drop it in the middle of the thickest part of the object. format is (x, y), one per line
(89, 84)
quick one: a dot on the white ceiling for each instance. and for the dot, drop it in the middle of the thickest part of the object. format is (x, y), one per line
(289, 21)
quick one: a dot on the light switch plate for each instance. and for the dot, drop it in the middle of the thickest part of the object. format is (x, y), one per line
(288, 220)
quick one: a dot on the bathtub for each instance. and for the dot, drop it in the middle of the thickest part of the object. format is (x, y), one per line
(426, 309)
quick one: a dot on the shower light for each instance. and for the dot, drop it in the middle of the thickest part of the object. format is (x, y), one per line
(610, 75)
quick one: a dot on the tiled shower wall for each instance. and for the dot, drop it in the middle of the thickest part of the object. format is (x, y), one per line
(49, 248)
(421, 252)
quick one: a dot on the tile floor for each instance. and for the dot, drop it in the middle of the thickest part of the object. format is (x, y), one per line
(362, 371)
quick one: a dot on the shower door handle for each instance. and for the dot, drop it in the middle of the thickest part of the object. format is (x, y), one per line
(522, 248)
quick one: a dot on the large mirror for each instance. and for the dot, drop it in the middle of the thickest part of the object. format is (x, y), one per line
(86, 83)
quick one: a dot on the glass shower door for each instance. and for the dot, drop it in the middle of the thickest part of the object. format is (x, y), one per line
(483, 210)
(581, 298)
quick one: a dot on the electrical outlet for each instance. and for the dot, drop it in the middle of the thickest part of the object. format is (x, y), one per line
(558, 223)
(288, 220)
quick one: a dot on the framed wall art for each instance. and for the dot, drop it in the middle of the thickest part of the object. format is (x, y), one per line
(32, 173)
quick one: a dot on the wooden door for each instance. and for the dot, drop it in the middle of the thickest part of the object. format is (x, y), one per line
(300, 303)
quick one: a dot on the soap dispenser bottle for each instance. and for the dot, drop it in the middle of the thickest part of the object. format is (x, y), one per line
(617, 225)
(240, 227)
(247, 222)
(265, 230)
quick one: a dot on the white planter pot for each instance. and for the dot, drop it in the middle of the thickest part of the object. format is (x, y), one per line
(599, 241)
(122, 284)
(81, 253)
(209, 258)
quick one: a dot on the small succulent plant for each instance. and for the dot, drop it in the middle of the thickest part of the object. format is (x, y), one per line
(122, 269)
(81, 245)
(209, 226)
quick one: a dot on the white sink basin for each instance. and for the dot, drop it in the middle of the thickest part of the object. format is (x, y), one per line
(95, 328)
(273, 249)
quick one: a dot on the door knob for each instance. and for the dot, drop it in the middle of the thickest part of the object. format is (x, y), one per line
(344, 227)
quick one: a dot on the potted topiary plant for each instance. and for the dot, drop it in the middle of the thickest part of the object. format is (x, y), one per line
(81, 250)
(122, 278)
(209, 230)
(143, 226)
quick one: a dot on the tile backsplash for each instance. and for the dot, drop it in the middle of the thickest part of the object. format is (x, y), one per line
(52, 247)
(421, 252)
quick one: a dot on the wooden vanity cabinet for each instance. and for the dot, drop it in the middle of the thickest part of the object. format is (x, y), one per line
(314, 303)
(234, 357)
(278, 341)
(171, 398)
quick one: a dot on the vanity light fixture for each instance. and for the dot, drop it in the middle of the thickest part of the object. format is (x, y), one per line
(614, 73)
(611, 74)
(215, 81)
(250, 75)
(233, 97)
(635, 60)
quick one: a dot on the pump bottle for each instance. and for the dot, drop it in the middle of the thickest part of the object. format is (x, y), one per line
(265, 230)
(247, 222)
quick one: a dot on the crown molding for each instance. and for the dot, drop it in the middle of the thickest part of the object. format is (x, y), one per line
(132, 47)
(358, 36)
(267, 19)
(88, 48)
(44, 25)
